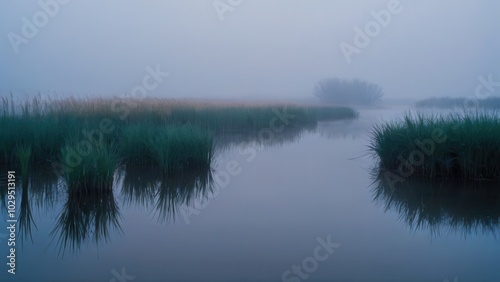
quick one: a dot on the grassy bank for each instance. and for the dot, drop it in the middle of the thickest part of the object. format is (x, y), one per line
(454, 146)
(460, 102)
(171, 147)
(84, 140)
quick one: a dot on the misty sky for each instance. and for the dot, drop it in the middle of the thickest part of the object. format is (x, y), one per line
(262, 48)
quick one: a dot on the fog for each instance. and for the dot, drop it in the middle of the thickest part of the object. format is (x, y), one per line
(247, 48)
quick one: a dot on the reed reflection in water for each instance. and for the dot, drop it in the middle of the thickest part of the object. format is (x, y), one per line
(88, 216)
(432, 205)
(164, 194)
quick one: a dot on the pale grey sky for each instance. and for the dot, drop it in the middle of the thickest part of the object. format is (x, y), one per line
(262, 48)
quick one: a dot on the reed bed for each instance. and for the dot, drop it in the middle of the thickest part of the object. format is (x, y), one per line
(181, 148)
(92, 171)
(458, 146)
(174, 135)
(46, 125)
(172, 148)
(459, 102)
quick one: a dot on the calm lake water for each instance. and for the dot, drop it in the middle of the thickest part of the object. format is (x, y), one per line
(299, 199)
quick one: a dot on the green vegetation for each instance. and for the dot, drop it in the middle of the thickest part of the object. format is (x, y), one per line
(181, 148)
(465, 103)
(456, 146)
(85, 140)
(172, 148)
(24, 154)
(348, 92)
(92, 170)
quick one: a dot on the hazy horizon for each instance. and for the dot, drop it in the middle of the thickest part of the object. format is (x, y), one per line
(257, 49)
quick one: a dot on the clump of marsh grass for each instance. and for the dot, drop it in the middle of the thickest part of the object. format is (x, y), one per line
(95, 170)
(134, 145)
(43, 134)
(171, 148)
(181, 148)
(463, 146)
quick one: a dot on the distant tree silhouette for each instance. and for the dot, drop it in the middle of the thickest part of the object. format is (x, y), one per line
(348, 91)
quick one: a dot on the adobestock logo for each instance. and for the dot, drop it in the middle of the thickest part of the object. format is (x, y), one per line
(309, 265)
(222, 7)
(363, 37)
(121, 277)
(484, 89)
(31, 27)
